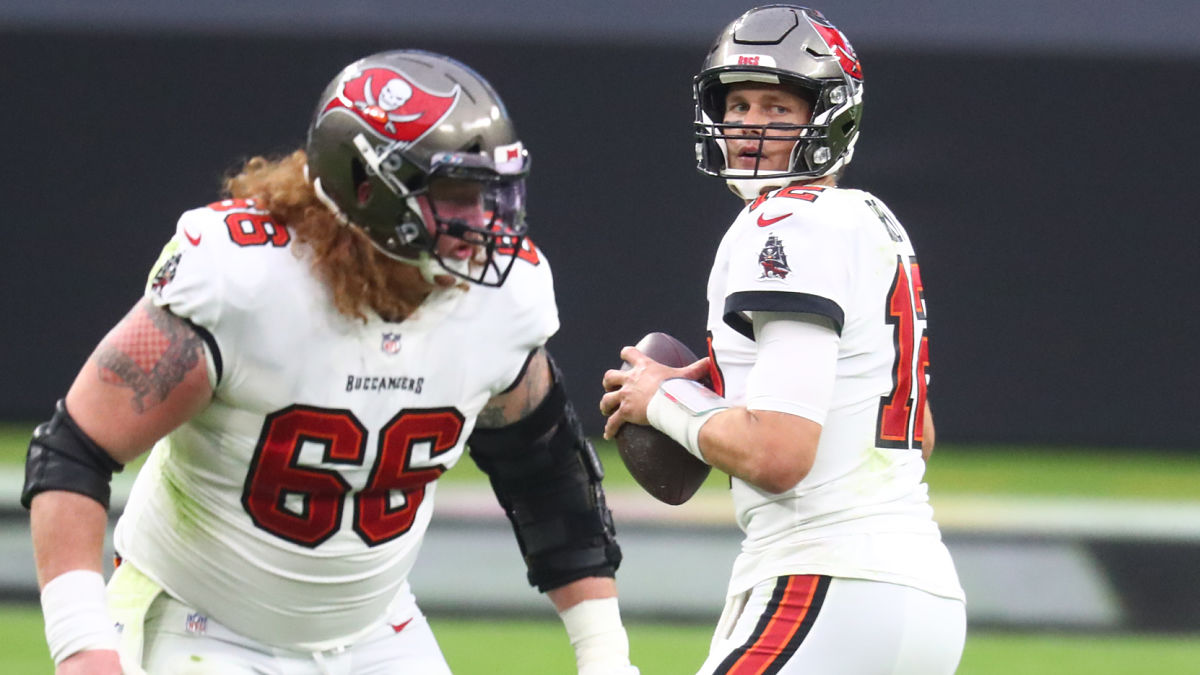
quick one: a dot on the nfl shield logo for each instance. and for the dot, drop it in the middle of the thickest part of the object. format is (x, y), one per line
(391, 343)
(196, 623)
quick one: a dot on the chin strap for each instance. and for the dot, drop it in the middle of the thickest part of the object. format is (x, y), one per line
(325, 199)
(750, 188)
(424, 262)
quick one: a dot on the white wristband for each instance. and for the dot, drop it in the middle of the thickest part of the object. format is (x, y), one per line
(598, 637)
(75, 609)
(680, 407)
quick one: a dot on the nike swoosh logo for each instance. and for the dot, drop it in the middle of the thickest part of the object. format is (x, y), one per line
(764, 222)
(400, 626)
(195, 241)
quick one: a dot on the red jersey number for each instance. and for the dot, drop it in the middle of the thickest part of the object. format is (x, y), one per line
(286, 495)
(901, 417)
(805, 193)
(376, 518)
(248, 227)
(255, 229)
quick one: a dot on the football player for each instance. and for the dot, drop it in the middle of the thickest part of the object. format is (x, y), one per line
(310, 355)
(818, 358)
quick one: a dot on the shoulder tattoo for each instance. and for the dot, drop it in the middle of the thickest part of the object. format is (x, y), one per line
(149, 352)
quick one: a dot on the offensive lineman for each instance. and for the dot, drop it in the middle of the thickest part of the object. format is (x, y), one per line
(309, 356)
(818, 357)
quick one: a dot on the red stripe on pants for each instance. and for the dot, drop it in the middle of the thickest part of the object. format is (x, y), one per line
(789, 614)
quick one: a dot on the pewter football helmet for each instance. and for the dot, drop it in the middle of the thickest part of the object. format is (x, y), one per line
(387, 126)
(790, 45)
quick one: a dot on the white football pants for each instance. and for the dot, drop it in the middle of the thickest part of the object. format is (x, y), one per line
(809, 624)
(180, 640)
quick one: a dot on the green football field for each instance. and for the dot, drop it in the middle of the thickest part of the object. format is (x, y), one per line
(530, 646)
(540, 647)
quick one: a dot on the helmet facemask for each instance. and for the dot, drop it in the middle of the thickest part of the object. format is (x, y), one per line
(469, 201)
(821, 147)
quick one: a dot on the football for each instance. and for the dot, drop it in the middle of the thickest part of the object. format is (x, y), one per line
(661, 466)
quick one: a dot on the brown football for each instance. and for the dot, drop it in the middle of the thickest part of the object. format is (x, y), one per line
(661, 466)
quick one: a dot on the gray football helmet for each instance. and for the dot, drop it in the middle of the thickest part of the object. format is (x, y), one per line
(391, 123)
(781, 44)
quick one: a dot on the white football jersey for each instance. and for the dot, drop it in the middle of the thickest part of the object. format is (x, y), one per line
(863, 510)
(292, 508)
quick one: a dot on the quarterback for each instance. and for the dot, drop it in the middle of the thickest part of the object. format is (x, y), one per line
(818, 358)
(311, 353)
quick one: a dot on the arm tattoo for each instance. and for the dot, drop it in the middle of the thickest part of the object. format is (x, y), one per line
(149, 352)
(490, 417)
(523, 399)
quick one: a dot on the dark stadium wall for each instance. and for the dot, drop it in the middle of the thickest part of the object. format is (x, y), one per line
(1050, 198)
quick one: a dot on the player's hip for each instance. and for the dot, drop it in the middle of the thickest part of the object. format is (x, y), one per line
(276, 594)
(832, 625)
(180, 638)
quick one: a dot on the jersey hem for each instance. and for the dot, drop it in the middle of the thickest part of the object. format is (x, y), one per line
(736, 304)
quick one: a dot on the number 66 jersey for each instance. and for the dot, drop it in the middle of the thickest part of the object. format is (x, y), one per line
(292, 508)
(862, 511)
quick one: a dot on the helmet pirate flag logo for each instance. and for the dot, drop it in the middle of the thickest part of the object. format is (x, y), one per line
(392, 104)
(837, 42)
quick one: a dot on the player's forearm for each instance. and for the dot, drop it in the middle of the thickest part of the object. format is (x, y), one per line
(795, 368)
(68, 533)
(68, 539)
(770, 450)
(589, 611)
(588, 588)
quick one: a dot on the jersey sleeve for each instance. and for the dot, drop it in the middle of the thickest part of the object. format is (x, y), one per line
(791, 259)
(208, 279)
(187, 278)
(530, 312)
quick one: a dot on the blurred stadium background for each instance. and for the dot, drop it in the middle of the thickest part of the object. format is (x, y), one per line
(1040, 154)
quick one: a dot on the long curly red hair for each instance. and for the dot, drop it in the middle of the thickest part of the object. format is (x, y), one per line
(358, 275)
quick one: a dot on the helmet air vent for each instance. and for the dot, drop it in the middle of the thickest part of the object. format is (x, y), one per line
(766, 27)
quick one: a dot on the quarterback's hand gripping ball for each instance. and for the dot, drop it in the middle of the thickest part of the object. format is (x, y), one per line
(661, 466)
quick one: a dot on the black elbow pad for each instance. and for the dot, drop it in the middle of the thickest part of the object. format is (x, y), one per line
(62, 457)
